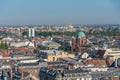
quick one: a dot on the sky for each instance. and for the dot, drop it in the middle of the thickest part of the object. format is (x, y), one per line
(38, 12)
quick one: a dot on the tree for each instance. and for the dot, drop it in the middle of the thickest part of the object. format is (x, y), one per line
(6, 46)
(25, 33)
(2, 45)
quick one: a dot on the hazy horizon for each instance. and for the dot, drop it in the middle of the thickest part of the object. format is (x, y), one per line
(40, 12)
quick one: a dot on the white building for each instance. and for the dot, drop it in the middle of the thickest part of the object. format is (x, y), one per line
(31, 32)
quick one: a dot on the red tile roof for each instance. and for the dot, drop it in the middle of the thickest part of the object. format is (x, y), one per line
(97, 62)
(21, 49)
(5, 54)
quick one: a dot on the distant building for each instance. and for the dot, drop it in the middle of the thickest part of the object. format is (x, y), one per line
(117, 62)
(31, 66)
(21, 55)
(49, 44)
(101, 54)
(22, 44)
(70, 28)
(84, 55)
(96, 63)
(31, 32)
(47, 30)
(4, 74)
(79, 41)
(53, 55)
(77, 74)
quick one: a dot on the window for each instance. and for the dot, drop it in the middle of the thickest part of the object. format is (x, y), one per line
(53, 58)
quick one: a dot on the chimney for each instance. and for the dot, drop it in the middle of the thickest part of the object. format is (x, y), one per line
(11, 74)
(22, 73)
(69, 67)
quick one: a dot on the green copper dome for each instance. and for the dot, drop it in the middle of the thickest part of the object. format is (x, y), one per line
(81, 34)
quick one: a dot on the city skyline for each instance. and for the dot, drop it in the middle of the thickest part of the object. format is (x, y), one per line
(25, 12)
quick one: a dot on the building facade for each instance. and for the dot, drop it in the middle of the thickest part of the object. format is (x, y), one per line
(46, 74)
(53, 55)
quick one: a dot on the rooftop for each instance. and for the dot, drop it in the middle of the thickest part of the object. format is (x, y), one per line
(55, 52)
(75, 71)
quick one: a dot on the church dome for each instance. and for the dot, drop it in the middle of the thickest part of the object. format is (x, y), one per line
(73, 37)
(81, 34)
(70, 27)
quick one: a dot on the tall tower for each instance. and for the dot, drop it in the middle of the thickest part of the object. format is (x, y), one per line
(31, 32)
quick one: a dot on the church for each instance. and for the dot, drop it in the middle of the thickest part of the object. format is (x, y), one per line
(79, 41)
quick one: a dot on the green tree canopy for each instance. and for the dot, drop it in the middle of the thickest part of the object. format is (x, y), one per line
(25, 33)
(3, 46)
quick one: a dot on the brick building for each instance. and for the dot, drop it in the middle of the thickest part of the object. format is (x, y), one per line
(78, 41)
